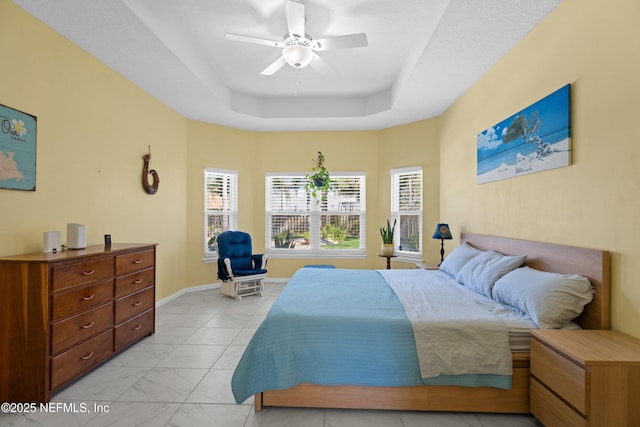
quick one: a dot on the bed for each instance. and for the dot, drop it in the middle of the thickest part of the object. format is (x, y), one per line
(378, 376)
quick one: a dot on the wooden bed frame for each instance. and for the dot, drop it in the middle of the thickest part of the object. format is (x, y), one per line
(591, 263)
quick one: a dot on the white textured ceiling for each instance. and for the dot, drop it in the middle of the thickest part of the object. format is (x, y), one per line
(421, 55)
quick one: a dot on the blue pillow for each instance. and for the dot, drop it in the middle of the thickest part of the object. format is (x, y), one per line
(552, 300)
(482, 271)
(457, 258)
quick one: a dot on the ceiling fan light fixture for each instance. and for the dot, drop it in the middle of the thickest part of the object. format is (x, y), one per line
(297, 55)
(298, 48)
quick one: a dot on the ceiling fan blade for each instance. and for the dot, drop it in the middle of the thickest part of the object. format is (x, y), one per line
(255, 40)
(275, 66)
(321, 65)
(295, 17)
(340, 42)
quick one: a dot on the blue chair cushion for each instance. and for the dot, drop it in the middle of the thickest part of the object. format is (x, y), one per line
(240, 262)
(236, 246)
(237, 272)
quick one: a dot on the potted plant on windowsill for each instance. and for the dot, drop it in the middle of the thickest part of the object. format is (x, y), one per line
(319, 180)
(387, 238)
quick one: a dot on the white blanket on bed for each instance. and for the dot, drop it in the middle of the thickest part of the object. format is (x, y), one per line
(456, 331)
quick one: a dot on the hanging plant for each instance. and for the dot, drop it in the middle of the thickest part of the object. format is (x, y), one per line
(319, 180)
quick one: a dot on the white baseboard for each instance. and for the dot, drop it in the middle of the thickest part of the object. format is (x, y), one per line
(186, 291)
(274, 280)
(205, 288)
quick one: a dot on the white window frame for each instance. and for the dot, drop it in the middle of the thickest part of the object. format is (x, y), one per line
(231, 211)
(397, 211)
(315, 212)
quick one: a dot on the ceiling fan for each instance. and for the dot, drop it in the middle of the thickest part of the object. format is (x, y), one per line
(298, 48)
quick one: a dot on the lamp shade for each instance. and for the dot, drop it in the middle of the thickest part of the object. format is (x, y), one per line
(442, 232)
(297, 55)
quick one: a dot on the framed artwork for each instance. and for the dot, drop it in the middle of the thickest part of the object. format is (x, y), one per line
(17, 149)
(535, 139)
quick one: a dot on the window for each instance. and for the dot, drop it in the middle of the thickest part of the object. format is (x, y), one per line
(406, 208)
(220, 206)
(297, 225)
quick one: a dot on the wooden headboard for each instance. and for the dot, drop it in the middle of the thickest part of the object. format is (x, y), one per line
(591, 263)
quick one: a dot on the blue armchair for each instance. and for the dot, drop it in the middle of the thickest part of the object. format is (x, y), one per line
(242, 272)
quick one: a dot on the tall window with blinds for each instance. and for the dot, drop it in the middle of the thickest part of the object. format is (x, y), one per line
(220, 206)
(299, 225)
(406, 208)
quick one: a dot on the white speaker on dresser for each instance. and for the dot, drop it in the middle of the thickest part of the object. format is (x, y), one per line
(76, 236)
(50, 241)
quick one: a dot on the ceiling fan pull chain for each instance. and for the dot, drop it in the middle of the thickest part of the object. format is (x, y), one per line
(297, 83)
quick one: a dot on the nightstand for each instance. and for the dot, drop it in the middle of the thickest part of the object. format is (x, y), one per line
(585, 378)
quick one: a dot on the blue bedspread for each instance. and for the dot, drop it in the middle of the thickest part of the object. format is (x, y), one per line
(335, 327)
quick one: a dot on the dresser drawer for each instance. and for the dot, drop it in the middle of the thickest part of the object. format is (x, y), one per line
(134, 262)
(81, 358)
(552, 411)
(69, 275)
(79, 300)
(134, 329)
(134, 304)
(69, 332)
(563, 376)
(134, 282)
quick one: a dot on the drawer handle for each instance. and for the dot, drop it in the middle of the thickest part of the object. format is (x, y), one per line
(90, 297)
(137, 303)
(137, 282)
(87, 357)
(88, 325)
(88, 273)
(137, 261)
(137, 327)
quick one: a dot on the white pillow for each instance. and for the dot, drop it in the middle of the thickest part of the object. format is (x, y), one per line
(482, 271)
(552, 300)
(457, 258)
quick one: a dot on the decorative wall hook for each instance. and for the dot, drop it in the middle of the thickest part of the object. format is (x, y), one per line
(149, 188)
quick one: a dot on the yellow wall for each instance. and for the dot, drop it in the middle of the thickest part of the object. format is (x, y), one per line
(254, 154)
(594, 202)
(294, 152)
(94, 126)
(414, 144)
(217, 147)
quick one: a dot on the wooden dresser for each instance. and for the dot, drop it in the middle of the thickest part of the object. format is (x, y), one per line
(585, 378)
(63, 314)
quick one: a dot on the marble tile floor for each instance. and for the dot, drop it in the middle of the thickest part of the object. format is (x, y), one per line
(181, 376)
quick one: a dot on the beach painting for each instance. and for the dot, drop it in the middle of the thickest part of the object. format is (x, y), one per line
(535, 139)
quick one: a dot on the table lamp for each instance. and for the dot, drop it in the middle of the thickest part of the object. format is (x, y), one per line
(442, 233)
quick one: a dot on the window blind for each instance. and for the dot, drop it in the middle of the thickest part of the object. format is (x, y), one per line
(295, 221)
(221, 205)
(406, 199)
